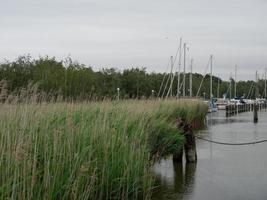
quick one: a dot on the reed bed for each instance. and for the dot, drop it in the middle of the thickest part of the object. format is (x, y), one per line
(101, 150)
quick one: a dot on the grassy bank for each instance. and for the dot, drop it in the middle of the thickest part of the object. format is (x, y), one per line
(87, 150)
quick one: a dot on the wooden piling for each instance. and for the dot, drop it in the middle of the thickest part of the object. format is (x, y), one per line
(236, 109)
(190, 143)
(255, 111)
(190, 146)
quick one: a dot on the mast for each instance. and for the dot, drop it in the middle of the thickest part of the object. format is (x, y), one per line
(179, 69)
(230, 93)
(191, 82)
(257, 86)
(211, 76)
(265, 83)
(172, 77)
(165, 87)
(184, 69)
(235, 79)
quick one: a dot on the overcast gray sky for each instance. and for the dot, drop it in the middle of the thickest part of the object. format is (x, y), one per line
(139, 33)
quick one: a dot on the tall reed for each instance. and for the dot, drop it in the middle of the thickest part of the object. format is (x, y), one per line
(100, 150)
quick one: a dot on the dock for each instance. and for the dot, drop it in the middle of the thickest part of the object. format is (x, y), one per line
(235, 109)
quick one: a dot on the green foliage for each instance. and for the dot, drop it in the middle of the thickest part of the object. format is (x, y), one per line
(75, 81)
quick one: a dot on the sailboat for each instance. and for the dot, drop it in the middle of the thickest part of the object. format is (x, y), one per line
(221, 102)
(212, 103)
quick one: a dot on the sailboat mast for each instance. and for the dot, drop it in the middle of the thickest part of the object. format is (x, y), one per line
(265, 83)
(211, 57)
(191, 82)
(230, 93)
(179, 69)
(235, 79)
(257, 86)
(172, 77)
(171, 74)
(184, 69)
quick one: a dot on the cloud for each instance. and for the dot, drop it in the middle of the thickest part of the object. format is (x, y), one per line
(124, 33)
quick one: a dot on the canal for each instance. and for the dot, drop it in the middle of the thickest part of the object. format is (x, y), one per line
(222, 172)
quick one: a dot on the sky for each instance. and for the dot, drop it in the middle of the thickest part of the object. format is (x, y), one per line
(139, 33)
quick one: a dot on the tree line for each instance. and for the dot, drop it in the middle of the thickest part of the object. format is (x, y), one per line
(73, 81)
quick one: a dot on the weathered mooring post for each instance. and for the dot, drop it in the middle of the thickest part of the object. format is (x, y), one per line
(255, 113)
(190, 143)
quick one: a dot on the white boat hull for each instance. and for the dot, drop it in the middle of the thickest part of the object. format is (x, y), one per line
(221, 107)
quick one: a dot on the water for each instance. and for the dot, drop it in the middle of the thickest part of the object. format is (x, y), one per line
(222, 172)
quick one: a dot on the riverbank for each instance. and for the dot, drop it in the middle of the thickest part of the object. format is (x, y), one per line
(102, 150)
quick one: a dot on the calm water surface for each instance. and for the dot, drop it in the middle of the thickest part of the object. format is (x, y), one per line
(222, 172)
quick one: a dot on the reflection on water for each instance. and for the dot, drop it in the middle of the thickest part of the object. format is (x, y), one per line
(222, 172)
(175, 181)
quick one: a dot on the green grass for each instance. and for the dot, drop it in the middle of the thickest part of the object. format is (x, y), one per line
(101, 150)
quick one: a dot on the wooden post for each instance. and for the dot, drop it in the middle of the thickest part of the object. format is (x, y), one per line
(190, 143)
(255, 113)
